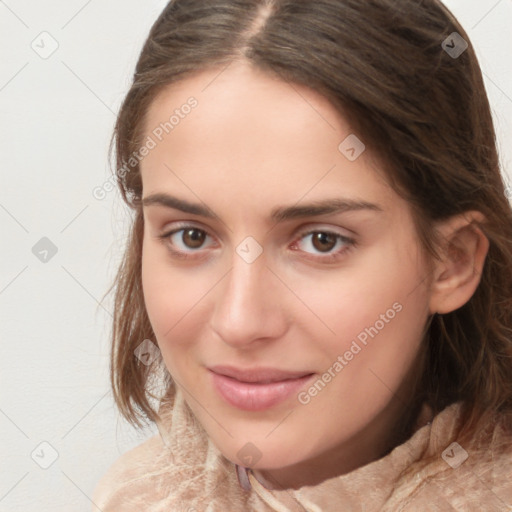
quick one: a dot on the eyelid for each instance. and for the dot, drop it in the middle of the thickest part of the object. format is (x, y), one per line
(322, 228)
(303, 232)
(179, 225)
(166, 234)
(349, 242)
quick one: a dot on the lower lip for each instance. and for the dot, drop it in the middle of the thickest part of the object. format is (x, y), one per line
(256, 397)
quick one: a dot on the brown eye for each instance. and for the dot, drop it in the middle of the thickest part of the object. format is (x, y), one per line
(187, 242)
(326, 246)
(324, 242)
(193, 238)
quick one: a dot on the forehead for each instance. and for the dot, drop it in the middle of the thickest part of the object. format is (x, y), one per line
(250, 135)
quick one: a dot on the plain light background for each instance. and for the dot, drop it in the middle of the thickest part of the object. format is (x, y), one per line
(57, 115)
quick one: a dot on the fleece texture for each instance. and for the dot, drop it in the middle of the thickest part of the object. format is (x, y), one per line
(181, 470)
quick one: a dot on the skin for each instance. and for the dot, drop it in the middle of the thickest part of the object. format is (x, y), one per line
(254, 143)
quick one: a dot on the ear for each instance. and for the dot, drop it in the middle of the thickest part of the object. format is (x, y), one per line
(457, 273)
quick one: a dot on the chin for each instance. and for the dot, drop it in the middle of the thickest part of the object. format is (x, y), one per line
(261, 455)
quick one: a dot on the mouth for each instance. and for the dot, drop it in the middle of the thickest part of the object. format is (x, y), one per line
(257, 389)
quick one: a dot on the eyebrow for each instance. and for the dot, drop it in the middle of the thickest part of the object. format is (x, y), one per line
(279, 214)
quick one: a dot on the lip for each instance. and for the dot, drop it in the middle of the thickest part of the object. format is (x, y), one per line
(256, 389)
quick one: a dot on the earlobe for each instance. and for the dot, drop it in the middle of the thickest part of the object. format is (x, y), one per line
(457, 273)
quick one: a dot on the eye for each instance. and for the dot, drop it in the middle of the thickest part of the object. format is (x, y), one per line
(185, 241)
(324, 244)
(192, 238)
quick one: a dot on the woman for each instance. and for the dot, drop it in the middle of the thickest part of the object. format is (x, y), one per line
(315, 302)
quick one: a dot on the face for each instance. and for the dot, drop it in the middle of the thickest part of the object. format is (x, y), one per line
(282, 276)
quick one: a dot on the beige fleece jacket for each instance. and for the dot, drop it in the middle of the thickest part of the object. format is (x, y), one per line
(180, 470)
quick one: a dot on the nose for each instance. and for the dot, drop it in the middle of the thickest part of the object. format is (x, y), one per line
(249, 305)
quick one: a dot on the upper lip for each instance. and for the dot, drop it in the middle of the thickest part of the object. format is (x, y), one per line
(261, 374)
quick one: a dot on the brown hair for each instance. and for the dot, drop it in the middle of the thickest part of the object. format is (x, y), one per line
(426, 115)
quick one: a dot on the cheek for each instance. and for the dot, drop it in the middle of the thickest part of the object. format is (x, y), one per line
(375, 312)
(367, 293)
(161, 301)
(167, 300)
(174, 298)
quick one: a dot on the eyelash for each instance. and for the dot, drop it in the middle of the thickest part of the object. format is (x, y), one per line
(350, 243)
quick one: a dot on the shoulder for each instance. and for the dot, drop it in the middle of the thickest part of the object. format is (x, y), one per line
(155, 477)
(473, 475)
(122, 486)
